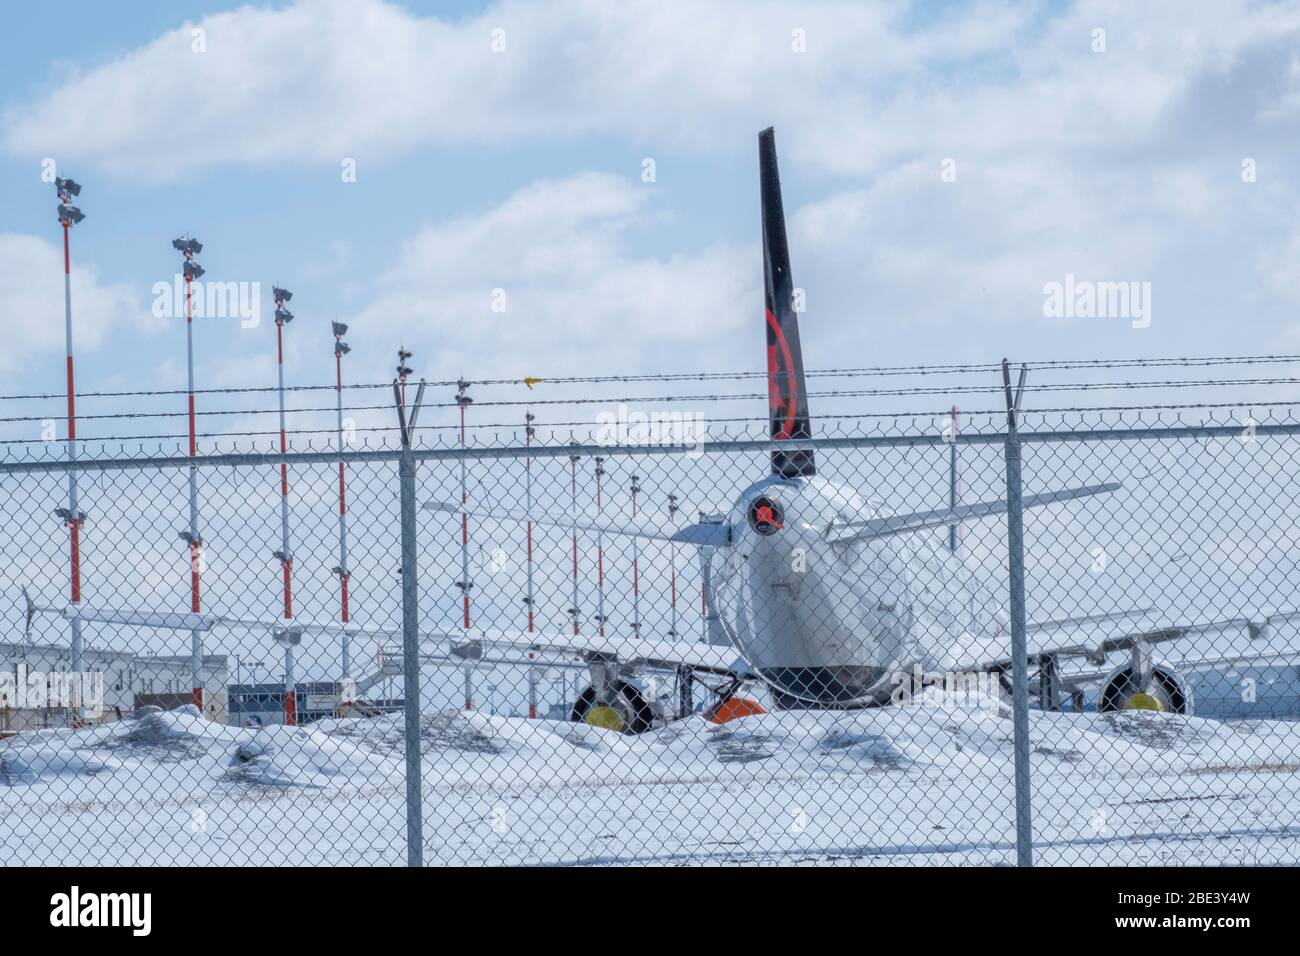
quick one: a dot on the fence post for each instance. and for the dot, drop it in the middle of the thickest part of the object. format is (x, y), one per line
(1019, 649)
(411, 663)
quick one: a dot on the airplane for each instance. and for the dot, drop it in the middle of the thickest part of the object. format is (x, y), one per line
(870, 600)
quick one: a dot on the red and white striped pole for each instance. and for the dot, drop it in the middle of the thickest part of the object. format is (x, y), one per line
(188, 247)
(341, 349)
(282, 318)
(69, 215)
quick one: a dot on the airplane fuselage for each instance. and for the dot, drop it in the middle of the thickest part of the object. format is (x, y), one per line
(827, 622)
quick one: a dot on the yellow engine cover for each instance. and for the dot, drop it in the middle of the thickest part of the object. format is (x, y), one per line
(1141, 701)
(606, 717)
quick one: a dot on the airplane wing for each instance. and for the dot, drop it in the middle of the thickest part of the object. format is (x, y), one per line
(463, 645)
(840, 532)
(703, 533)
(1093, 639)
(168, 620)
(469, 645)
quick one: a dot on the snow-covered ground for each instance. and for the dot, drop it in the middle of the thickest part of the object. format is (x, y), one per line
(906, 785)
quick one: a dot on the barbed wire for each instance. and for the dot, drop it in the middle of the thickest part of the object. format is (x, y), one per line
(698, 398)
(516, 427)
(863, 371)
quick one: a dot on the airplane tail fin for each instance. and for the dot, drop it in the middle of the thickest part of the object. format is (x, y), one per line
(787, 391)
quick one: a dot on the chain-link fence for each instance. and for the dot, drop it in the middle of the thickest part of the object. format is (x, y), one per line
(652, 653)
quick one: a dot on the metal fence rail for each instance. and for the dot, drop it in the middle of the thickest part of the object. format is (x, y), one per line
(816, 671)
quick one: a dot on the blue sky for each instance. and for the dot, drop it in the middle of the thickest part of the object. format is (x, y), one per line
(521, 170)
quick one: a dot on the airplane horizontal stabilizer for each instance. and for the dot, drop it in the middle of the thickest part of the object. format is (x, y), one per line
(864, 530)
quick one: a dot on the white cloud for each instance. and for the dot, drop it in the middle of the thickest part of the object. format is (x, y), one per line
(31, 301)
(325, 79)
(573, 293)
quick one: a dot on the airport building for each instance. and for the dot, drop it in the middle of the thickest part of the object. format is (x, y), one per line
(34, 679)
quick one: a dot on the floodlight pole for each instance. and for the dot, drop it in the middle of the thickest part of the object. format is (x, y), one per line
(636, 568)
(600, 549)
(74, 517)
(192, 537)
(282, 317)
(345, 650)
(574, 610)
(285, 555)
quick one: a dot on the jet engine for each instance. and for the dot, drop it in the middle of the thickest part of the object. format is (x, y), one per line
(1166, 691)
(630, 708)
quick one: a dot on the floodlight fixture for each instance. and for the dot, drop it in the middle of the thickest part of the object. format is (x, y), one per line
(192, 269)
(190, 247)
(283, 316)
(342, 348)
(67, 187)
(403, 355)
(339, 329)
(70, 214)
(281, 295)
(403, 371)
